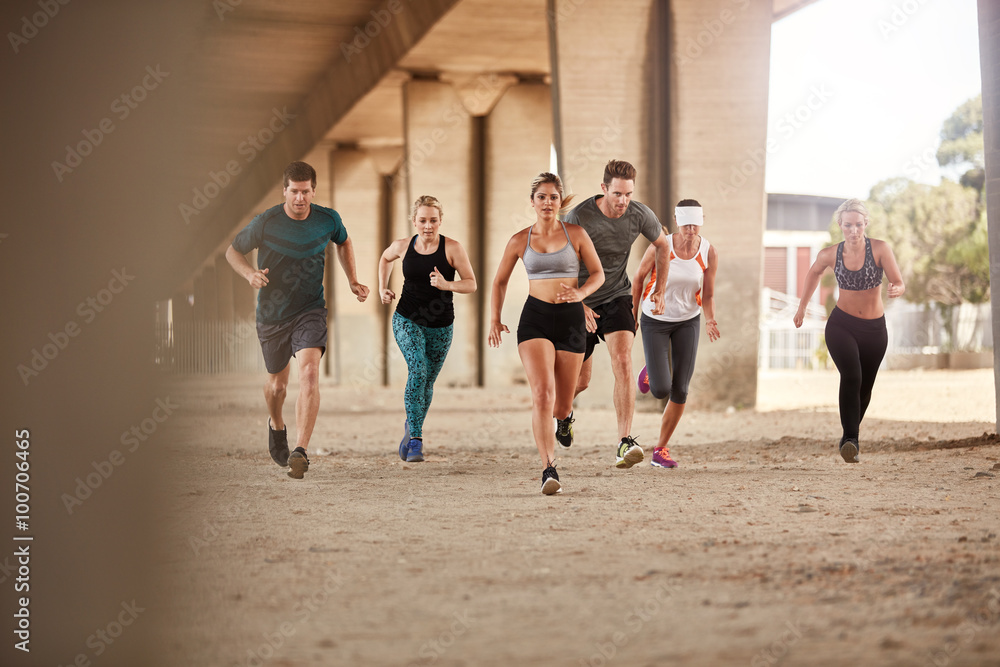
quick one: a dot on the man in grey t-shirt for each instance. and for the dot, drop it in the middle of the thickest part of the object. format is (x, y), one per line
(614, 222)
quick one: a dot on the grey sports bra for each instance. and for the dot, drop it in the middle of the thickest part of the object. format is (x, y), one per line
(867, 277)
(562, 263)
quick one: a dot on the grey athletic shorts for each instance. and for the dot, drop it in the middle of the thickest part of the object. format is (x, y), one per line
(280, 342)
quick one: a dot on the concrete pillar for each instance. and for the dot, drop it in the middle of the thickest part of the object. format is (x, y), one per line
(439, 162)
(989, 57)
(354, 194)
(181, 317)
(387, 161)
(721, 62)
(224, 275)
(244, 296)
(209, 295)
(603, 102)
(181, 310)
(601, 88)
(198, 307)
(479, 94)
(518, 136)
(399, 227)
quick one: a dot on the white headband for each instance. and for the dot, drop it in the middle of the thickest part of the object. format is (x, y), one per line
(689, 215)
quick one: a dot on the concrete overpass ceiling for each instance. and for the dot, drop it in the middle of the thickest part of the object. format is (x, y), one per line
(377, 118)
(262, 55)
(486, 36)
(315, 57)
(782, 8)
(517, 42)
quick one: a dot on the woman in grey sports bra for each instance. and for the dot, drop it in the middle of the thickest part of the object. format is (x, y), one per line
(562, 263)
(855, 331)
(551, 334)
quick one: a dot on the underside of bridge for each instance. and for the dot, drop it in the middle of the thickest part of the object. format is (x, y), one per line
(466, 100)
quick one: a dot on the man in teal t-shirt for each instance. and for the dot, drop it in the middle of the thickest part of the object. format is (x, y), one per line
(291, 243)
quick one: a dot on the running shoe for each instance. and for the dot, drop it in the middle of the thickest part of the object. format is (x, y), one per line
(405, 442)
(277, 444)
(629, 453)
(299, 463)
(661, 458)
(564, 431)
(415, 450)
(550, 481)
(849, 449)
(643, 381)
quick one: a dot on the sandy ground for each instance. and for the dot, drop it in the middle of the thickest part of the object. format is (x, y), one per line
(762, 548)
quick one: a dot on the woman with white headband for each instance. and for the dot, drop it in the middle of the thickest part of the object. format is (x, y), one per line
(855, 331)
(670, 340)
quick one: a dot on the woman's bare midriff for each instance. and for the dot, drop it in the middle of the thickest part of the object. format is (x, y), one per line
(547, 289)
(863, 304)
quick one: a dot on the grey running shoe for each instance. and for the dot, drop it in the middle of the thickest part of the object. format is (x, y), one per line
(299, 463)
(849, 449)
(629, 453)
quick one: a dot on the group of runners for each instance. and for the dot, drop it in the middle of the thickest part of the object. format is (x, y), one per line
(579, 294)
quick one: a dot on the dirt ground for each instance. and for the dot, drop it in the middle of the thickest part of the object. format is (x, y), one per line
(762, 548)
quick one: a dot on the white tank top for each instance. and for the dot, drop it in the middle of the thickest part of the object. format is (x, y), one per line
(682, 298)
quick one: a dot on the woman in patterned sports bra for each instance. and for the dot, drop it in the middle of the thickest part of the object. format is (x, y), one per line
(855, 331)
(552, 333)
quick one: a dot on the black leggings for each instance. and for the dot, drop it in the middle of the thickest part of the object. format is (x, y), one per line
(856, 347)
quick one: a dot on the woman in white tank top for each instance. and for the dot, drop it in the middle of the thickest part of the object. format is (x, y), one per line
(670, 340)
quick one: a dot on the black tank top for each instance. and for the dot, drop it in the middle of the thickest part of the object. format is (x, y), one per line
(421, 302)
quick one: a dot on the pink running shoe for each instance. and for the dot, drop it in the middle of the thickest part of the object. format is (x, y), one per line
(661, 458)
(643, 381)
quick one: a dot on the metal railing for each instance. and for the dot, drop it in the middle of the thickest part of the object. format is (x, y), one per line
(214, 347)
(781, 344)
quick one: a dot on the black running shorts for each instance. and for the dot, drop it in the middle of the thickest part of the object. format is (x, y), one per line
(561, 323)
(615, 315)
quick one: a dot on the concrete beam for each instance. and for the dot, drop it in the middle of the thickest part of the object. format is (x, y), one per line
(345, 82)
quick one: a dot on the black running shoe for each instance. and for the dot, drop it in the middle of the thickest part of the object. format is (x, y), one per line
(564, 431)
(277, 444)
(550, 481)
(849, 449)
(299, 463)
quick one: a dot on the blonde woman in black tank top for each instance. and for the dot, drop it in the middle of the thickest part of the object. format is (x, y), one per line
(552, 331)
(423, 321)
(855, 331)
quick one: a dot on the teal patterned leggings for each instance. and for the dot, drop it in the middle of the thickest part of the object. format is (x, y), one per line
(424, 349)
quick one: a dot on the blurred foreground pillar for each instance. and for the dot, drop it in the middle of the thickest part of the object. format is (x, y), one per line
(989, 55)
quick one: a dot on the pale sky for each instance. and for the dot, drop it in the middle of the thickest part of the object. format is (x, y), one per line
(859, 90)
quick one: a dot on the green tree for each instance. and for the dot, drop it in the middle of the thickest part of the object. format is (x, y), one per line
(938, 236)
(962, 143)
